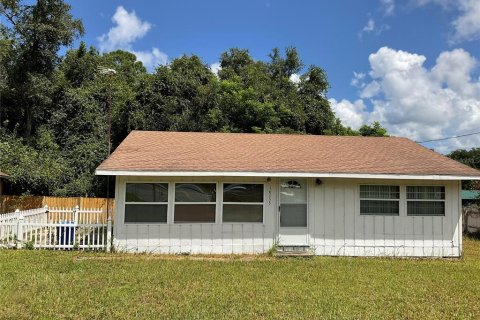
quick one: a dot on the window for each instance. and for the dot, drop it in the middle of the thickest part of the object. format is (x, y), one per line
(242, 202)
(146, 202)
(379, 200)
(195, 202)
(425, 200)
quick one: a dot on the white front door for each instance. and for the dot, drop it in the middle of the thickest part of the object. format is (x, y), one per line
(293, 229)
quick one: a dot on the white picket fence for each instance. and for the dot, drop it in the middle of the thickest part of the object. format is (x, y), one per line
(56, 228)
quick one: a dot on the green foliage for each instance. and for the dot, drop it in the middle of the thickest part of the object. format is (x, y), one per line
(470, 158)
(39, 169)
(53, 120)
(374, 130)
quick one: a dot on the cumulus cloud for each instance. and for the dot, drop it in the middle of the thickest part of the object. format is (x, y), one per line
(466, 26)
(127, 29)
(417, 102)
(352, 114)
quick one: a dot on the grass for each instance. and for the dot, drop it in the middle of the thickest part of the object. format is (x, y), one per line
(76, 285)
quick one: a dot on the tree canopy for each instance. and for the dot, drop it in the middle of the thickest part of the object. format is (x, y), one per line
(53, 115)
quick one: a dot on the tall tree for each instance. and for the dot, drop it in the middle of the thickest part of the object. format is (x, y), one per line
(35, 34)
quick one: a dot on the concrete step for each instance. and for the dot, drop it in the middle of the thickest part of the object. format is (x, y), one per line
(294, 251)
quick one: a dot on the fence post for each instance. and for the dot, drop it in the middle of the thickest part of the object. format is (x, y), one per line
(109, 234)
(47, 218)
(75, 214)
(19, 230)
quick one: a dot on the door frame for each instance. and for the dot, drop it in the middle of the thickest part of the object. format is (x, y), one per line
(303, 230)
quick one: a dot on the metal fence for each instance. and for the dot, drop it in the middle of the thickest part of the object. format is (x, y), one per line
(56, 228)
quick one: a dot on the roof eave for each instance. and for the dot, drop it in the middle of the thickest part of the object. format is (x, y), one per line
(143, 173)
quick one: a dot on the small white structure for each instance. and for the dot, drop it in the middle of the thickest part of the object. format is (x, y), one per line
(218, 193)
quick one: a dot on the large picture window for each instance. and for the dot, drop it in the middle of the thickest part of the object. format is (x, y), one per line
(242, 202)
(146, 202)
(379, 200)
(195, 202)
(425, 200)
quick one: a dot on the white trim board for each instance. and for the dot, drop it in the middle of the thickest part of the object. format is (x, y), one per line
(279, 174)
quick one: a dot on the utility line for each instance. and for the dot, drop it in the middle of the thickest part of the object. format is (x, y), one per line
(448, 138)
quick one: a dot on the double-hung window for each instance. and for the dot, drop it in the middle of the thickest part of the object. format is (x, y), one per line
(380, 200)
(146, 202)
(425, 200)
(242, 202)
(195, 202)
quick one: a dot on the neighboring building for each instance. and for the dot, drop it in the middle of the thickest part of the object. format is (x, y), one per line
(470, 197)
(179, 192)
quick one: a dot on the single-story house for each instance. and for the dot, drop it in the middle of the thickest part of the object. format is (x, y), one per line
(217, 193)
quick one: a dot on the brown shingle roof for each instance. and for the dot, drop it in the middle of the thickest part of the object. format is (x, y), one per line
(274, 153)
(3, 175)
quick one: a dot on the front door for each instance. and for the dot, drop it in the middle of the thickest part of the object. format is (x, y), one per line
(293, 212)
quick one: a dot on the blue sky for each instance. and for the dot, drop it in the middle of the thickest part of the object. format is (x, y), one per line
(412, 65)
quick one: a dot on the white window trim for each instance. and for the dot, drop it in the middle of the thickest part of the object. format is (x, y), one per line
(174, 203)
(400, 190)
(426, 200)
(125, 202)
(243, 203)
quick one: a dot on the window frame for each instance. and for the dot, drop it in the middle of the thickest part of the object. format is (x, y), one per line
(222, 202)
(214, 203)
(399, 200)
(444, 200)
(125, 202)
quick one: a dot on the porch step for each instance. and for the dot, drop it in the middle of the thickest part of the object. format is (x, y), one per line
(294, 251)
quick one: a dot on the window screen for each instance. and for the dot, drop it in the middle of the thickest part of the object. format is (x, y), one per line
(146, 202)
(379, 200)
(425, 200)
(242, 202)
(195, 202)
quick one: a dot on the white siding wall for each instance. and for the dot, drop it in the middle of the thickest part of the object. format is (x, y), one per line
(207, 238)
(335, 225)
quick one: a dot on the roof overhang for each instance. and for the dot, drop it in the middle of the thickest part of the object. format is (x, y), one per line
(101, 172)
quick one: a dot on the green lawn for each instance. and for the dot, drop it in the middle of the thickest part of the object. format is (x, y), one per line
(48, 284)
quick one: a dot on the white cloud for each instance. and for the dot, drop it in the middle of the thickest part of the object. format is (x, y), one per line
(352, 114)
(466, 26)
(358, 79)
(371, 27)
(417, 102)
(388, 6)
(126, 30)
(295, 78)
(152, 58)
(215, 67)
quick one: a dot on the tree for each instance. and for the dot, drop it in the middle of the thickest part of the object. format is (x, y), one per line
(470, 158)
(374, 130)
(53, 125)
(36, 34)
